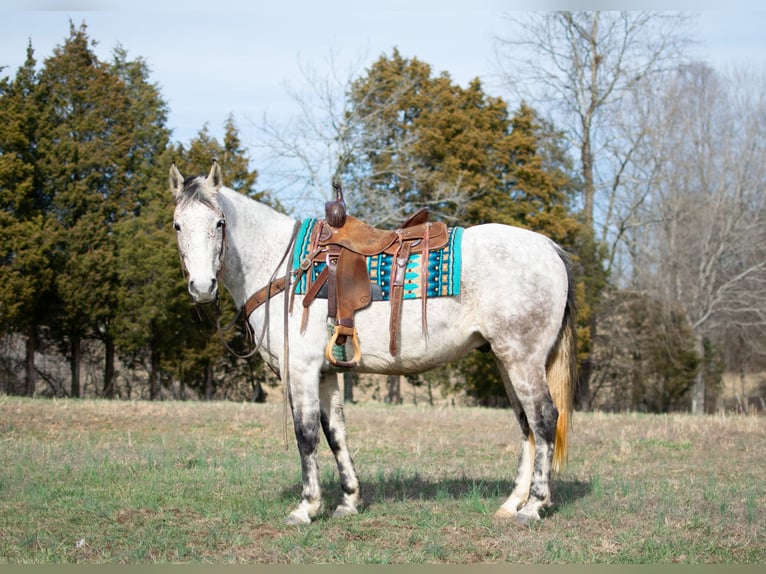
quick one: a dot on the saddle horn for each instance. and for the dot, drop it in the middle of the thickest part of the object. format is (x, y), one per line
(335, 210)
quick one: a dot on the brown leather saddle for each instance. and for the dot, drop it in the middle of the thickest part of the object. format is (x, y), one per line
(343, 243)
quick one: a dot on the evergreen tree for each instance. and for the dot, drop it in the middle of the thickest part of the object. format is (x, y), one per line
(154, 314)
(150, 287)
(201, 354)
(25, 271)
(231, 155)
(420, 140)
(97, 135)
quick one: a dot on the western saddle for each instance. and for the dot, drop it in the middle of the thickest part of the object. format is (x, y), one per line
(343, 243)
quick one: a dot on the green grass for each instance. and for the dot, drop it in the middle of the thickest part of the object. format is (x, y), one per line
(116, 482)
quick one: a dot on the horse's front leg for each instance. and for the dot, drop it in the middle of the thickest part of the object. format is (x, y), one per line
(334, 426)
(304, 402)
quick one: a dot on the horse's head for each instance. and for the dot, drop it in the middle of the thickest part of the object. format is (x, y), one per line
(200, 230)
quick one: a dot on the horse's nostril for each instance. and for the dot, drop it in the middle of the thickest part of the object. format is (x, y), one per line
(203, 290)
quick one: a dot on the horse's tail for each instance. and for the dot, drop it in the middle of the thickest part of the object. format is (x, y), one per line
(562, 372)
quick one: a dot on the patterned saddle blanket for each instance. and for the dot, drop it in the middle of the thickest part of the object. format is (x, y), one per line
(443, 268)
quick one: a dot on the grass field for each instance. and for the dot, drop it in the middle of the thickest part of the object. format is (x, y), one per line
(138, 482)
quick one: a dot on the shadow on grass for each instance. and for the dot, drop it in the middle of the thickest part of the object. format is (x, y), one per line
(401, 488)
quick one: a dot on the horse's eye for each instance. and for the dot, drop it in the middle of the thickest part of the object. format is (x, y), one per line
(176, 227)
(220, 224)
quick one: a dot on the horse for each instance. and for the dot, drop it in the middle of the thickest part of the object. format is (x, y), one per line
(516, 300)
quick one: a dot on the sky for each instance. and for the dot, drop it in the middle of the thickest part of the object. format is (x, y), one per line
(218, 57)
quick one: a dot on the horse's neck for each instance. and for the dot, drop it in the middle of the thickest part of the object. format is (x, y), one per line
(257, 238)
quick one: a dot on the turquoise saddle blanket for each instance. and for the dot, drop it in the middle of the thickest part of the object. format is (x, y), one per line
(443, 267)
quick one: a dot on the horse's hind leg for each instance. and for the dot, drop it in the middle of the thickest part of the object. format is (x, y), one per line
(523, 481)
(538, 417)
(334, 426)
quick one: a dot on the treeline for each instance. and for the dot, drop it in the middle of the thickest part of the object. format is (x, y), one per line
(87, 255)
(90, 268)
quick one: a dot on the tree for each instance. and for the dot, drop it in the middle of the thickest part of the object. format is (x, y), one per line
(200, 355)
(141, 197)
(24, 247)
(646, 358)
(418, 140)
(101, 126)
(701, 242)
(154, 314)
(581, 66)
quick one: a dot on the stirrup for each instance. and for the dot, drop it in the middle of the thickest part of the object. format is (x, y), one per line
(333, 360)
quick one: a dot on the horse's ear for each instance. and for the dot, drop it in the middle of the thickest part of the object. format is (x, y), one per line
(214, 178)
(175, 180)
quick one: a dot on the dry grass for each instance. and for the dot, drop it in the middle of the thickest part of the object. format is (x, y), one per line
(96, 481)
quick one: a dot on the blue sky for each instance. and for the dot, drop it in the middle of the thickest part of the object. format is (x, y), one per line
(237, 59)
(235, 56)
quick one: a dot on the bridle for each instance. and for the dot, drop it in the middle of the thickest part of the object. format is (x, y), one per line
(215, 322)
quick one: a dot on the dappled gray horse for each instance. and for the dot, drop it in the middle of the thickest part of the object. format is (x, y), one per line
(515, 297)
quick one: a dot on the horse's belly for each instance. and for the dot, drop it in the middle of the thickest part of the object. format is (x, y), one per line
(449, 335)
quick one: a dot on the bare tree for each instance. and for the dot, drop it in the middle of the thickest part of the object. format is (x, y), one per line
(300, 156)
(342, 122)
(580, 66)
(702, 243)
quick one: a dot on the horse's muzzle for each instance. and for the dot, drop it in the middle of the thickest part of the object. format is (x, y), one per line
(203, 291)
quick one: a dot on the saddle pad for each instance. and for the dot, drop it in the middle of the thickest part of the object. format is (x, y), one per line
(443, 266)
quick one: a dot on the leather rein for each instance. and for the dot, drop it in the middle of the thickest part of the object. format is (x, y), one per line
(273, 287)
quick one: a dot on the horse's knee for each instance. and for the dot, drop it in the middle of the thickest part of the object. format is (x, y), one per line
(306, 430)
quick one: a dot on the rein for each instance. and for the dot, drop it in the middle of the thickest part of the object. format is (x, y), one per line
(273, 287)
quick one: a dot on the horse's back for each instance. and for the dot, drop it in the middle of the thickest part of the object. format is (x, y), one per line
(513, 288)
(501, 257)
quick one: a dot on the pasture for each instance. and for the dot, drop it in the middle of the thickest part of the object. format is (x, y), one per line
(138, 482)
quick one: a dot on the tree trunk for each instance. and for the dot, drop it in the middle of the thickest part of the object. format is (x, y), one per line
(698, 389)
(589, 190)
(208, 382)
(74, 365)
(258, 395)
(393, 395)
(108, 367)
(30, 380)
(348, 387)
(154, 375)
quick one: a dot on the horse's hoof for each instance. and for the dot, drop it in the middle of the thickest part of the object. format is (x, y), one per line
(504, 513)
(342, 511)
(296, 518)
(527, 518)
